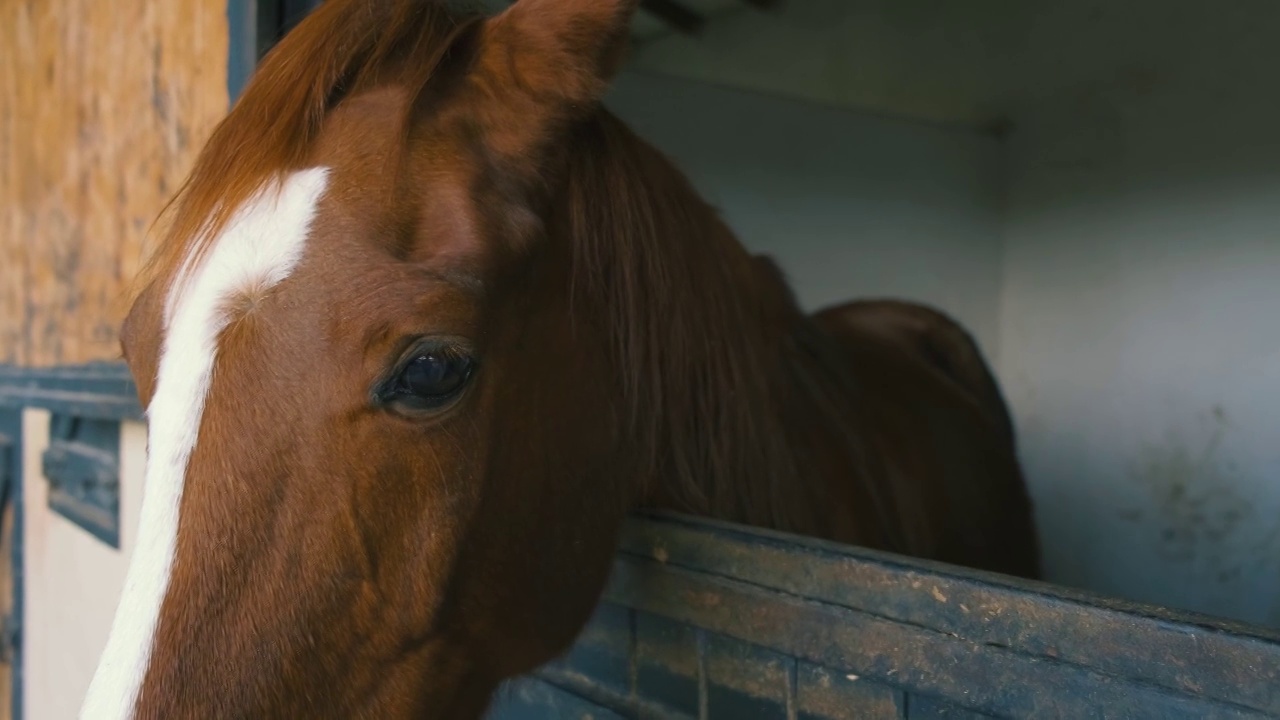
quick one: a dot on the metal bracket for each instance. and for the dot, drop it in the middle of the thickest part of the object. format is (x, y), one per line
(82, 466)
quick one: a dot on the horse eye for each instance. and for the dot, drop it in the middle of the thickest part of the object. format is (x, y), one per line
(434, 374)
(429, 380)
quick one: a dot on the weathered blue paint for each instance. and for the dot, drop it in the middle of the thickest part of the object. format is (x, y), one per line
(254, 26)
(87, 403)
(82, 466)
(532, 699)
(98, 390)
(717, 621)
(242, 44)
(293, 11)
(11, 470)
(1187, 653)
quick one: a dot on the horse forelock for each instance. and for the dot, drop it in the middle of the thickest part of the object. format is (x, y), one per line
(344, 46)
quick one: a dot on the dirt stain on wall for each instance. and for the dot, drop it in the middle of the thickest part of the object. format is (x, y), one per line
(1197, 507)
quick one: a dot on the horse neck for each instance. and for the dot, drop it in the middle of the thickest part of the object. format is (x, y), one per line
(800, 465)
(736, 404)
(825, 419)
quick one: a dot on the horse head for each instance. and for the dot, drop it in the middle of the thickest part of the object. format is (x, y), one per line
(393, 348)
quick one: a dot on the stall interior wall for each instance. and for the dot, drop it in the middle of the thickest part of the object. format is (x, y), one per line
(848, 204)
(1113, 239)
(1140, 330)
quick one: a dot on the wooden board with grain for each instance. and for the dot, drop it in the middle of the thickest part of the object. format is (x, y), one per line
(103, 107)
(707, 620)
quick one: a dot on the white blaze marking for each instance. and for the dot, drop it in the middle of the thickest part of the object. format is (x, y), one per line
(259, 247)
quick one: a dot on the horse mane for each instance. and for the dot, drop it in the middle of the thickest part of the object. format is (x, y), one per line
(341, 47)
(705, 342)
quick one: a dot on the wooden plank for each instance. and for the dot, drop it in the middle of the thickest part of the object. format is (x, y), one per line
(988, 679)
(533, 699)
(642, 665)
(102, 391)
(922, 707)
(103, 107)
(823, 693)
(1182, 652)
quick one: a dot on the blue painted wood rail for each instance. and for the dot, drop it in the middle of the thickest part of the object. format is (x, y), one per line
(709, 620)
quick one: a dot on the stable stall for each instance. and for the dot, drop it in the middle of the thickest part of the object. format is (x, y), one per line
(1089, 187)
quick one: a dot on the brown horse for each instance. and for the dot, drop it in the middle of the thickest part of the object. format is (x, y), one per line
(928, 335)
(426, 323)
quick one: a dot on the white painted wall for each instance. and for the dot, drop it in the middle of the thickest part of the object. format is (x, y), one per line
(850, 204)
(1141, 337)
(72, 580)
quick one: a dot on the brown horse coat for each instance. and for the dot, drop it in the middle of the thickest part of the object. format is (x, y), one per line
(425, 324)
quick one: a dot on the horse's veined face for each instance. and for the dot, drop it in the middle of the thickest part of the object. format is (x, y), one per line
(379, 444)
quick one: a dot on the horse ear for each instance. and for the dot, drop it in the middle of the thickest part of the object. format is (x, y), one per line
(543, 63)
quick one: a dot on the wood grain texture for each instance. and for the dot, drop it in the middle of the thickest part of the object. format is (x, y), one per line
(704, 619)
(103, 107)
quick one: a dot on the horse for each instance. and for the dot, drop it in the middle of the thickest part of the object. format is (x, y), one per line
(424, 324)
(931, 337)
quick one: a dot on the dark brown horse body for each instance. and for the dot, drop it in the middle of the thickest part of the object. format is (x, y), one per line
(927, 335)
(896, 437)
(942, 414)
(426, 324)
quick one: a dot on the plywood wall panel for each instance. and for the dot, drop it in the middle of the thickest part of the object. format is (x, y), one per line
(103, 107)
